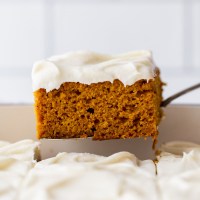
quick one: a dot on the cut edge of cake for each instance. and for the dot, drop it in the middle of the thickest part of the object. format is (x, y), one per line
(102, 110)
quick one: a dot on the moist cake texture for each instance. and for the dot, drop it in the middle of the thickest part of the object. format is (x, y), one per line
(85, 94)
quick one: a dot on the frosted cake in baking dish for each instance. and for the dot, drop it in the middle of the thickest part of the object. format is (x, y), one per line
(85, 94)
(91, 177)
(122, 176)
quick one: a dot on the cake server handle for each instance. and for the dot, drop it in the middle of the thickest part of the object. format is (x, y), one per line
(175, 96)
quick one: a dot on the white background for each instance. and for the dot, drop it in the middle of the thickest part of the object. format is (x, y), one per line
(35, 29)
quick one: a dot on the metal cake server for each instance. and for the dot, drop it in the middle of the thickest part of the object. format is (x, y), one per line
(175, 96)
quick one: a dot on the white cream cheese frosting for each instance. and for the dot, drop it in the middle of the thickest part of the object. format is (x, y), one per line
(120, 176)
(3, 143)
(12, 174)
(178, 157)
(182, 186)
(25, 150)
(171, 165)
(120, 158)
(178, 171)
(90, 177)
(16, 160)
(178, 147)
(88, 67)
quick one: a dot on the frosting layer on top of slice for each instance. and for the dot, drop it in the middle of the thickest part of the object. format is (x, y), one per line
(88, 67)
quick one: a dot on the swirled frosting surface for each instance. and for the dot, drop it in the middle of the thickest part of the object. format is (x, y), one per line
(88, 67)
(178, 170)
(86, 176)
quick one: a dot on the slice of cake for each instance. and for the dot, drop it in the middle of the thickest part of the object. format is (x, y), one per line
(85, 94)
